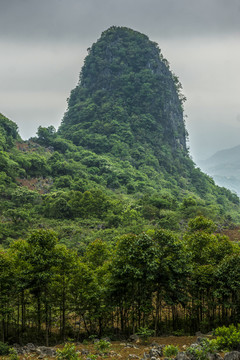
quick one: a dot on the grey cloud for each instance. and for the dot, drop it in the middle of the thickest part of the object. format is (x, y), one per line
(77, 19)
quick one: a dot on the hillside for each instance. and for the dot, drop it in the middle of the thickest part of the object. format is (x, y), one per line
(128, 106)
(119, 161)
(126, 97)
(224, 167)
(103, 226)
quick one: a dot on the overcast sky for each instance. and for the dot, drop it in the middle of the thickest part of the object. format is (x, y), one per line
(44, 42)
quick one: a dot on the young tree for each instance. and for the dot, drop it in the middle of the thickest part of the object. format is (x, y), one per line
(6, 290)
(133, 272)
(173, 273)
(38, 256)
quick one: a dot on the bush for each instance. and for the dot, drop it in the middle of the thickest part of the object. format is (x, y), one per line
(13, 355)
(92, 338)
(170, 350)
(202, 351)
(67, 353)
(179, 332)
(92, 356)
(144, 333)
(4, 348)
(228, 338)
(102, 346)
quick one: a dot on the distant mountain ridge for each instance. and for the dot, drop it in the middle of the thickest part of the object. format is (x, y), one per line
(224, 167)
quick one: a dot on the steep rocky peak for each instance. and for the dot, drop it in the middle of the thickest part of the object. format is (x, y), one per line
(126, 93)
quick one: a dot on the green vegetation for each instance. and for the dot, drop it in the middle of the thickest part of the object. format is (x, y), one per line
(68, 352)
(106, 225)
(228, 338)
(170, 351)
(205, 349)
(102, 346)
(4, 348)
(148, 282)
(13, 355)
(144, 333)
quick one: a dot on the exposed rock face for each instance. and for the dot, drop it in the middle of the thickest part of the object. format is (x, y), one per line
(233, 355)
(182, 356)
(40, 351)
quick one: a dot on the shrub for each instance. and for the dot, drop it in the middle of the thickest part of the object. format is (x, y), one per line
(13, 355)
(179, 332)
(4, 348)
(67, 353)
(144, 333)
(170, 350)
(92, 356)
(202, 351)
(228, 338)
(102, 346)
(92, 337)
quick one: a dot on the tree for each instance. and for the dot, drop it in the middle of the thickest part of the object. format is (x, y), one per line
(133, 271)
(64, 266)
(227, 287)
(46, 135)
(82, 291)
(207, 251)
(172, 275)
(39, 257)
(6, 290)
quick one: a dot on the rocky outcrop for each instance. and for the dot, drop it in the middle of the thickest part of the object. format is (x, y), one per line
(233, 355)
(40, 351)
(126, 93)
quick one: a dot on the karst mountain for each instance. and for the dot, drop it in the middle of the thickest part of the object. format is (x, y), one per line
(119, 161)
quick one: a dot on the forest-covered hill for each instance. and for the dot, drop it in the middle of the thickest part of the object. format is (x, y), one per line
(111, 184)
(119, 160)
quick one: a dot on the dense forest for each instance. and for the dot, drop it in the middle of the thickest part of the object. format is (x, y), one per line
(106, 224)
(155, 279)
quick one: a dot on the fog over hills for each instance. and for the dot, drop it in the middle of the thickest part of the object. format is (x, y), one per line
(224, 167)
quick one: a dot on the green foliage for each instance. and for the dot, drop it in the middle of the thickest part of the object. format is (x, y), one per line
(85, 342)
(112, 185)
(4, 348)
(13, 354)
(97, 119)
(228, 338)
(202, 352)
(102, 346)
(200, 223)
(170, 351)
(180, 332)
(74, 204)
(97, 253)
(144, 333)
(46, 135)
(135, 260)
(8, 133)
(92, 356)
(92, 337)
(205, 247)
(67, 353)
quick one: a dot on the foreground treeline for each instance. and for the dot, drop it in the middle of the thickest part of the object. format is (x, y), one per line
(154, 280)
